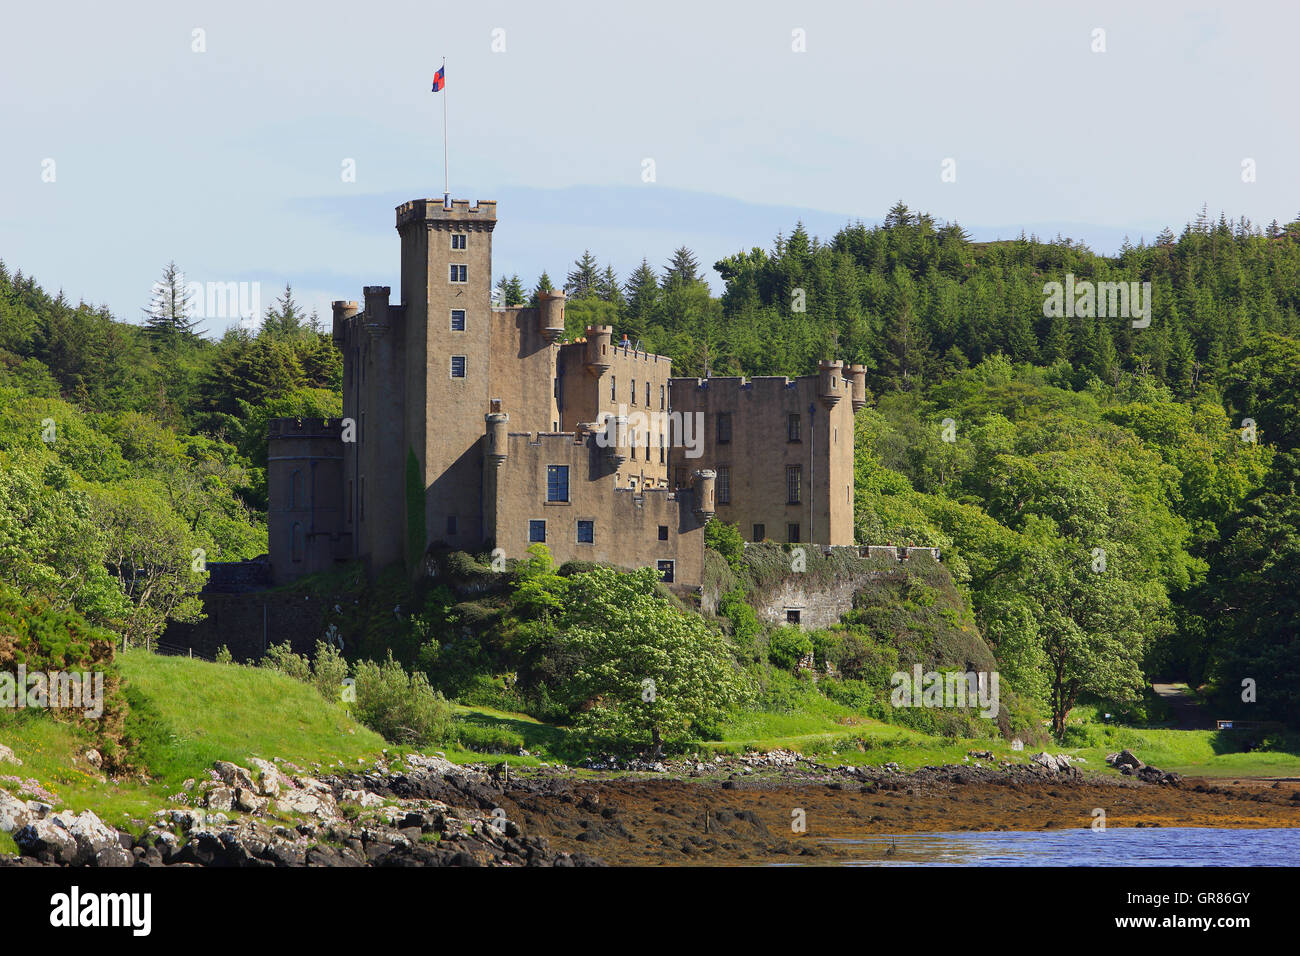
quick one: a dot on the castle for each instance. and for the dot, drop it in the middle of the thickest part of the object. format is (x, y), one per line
(478, 427)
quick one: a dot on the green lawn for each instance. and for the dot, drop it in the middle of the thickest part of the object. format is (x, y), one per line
(186, 714)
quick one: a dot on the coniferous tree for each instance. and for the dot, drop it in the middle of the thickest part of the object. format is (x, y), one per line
(584, 277)
(167, 317)
(682, 268)
(642, 292)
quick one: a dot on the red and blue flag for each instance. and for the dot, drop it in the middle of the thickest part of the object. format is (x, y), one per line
(440, 79)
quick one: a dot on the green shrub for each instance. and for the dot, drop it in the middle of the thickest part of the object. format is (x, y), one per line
(280, 657)
(487, 739)
(224, 656)
(787, 646)
(402, 708)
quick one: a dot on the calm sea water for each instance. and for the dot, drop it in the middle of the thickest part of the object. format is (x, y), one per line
(1155, 846)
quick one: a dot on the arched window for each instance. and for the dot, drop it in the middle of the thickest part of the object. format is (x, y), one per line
(295, 490)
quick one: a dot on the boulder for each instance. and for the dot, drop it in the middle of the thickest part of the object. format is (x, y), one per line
(220, 799)
(1126, 758)
(67, 838)
(7, 756)
(14, 813)
(1044, 759)
(320, 805)
(233, 775)
(250, 802)
(269, 780)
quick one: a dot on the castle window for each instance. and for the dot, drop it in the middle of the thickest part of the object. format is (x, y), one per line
(557, 482)
(792, 616)
(793, 484)
(458, 240)
(662, 452)
(586, 532)
(633, 391)
(792, 533)
(724, 484)
(451, 524)
(458, 366)
(458, 320)
(760, 532)
(613, 390)
(295, 490)
(295, 542)
(666, 570)
(647, 446)
(662, 396)
(724, 427)
(792, 428)
(536, 531)
(663, 532)
(459, 273)
(647, 394)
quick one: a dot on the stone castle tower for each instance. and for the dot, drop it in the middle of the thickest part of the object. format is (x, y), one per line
(472, 426)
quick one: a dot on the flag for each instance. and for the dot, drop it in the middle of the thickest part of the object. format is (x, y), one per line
(439, 79)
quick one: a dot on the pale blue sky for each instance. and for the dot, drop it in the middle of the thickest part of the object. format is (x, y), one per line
(229, 161)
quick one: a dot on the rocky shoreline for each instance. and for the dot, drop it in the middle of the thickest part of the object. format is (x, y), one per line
(425, 811)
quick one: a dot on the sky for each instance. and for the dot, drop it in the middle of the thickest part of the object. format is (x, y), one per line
(218, 135)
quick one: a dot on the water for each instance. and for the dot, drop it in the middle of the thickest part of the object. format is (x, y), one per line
(1154, 846)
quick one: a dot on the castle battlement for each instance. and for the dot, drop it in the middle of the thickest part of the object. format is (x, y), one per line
(305, 428)
(460, 214)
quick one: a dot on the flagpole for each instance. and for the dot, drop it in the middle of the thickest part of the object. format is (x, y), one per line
(446, 189)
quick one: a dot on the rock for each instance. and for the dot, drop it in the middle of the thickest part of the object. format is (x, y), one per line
(269, 778)
(94, 759)
(67, 838)
(363, 797)
(220, 799)
(320, 805)
(1044, 759)
(14, 813)
(233, 775)
(7, 756)
(1125, 758)
(114, 856)
(250, 802)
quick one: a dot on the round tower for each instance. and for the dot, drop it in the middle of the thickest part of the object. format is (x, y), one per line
(550, 307)
(831, 388)
(343, 310)
(497, 437)
(858, 378)
(616, 439)
(599, 342)
(704, 489)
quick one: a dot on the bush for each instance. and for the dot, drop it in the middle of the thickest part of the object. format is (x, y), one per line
(487, 739)
(402, 708)
(224, 656)
(280, 657)
(787, 646)
(329, 671)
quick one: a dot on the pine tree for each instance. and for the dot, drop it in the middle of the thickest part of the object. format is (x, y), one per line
(167, 319)
(682, 268)
(584, 277)
(609, 289)
(543, 285)
(284, 319)
(642, 292)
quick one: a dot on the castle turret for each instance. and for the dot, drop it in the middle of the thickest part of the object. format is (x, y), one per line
(343, 311)
(704, 490)
(550, 308)
(616, 439)
(497, 441)
(831, 387)
(599, 343)
(858, 379)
